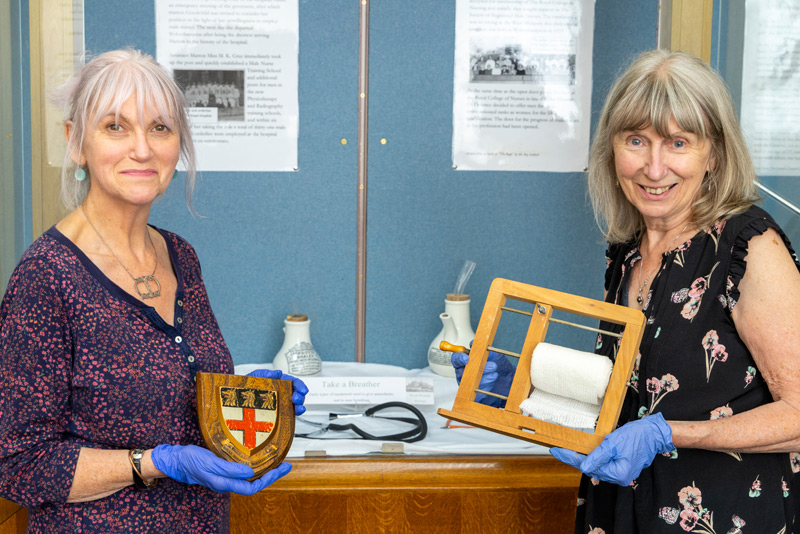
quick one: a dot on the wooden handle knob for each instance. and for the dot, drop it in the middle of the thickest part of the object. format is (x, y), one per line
(449, 347)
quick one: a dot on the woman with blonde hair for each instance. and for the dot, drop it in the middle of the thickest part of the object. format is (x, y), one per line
(711, 423)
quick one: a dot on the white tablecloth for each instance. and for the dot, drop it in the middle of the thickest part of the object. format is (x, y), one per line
(439, 440)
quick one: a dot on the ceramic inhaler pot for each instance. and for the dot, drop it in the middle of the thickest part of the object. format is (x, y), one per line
(456, 329)
(297, 356)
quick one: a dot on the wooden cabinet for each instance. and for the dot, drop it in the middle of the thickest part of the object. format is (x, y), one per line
(13, 518)
(417, 494)
(401, 495)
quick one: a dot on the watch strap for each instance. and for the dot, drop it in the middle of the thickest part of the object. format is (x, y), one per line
(135, 458)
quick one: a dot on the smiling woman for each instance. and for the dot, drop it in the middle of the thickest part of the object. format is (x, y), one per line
(710, 432)
(668, 95)
(143, 88)
(105, 324)
(714, 402)
(129, 155)
(661, 176)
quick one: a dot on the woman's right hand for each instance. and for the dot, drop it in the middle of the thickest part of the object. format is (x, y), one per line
(498, 373)
(191, 464)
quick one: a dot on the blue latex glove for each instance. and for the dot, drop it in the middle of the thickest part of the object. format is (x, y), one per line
(299, 389)
(498, 373)
(623, 454)
(191, 464)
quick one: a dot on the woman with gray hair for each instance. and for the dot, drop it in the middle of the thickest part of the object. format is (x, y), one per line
(710, 428)
(105, 323)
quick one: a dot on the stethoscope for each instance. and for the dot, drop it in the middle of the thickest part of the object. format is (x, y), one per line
(416, 433)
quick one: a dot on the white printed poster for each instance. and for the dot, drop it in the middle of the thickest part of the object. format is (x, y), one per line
(522, 85)
(237, 64)
(771, 85)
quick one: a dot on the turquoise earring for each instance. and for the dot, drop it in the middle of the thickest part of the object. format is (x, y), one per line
(80, 174)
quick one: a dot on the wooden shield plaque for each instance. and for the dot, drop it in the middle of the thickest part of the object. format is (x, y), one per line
(246, 419)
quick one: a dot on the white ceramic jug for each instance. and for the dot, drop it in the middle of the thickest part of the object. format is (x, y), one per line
(297, 356)
(456, 329)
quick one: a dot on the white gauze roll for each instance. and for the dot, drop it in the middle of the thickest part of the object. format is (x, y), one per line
(569, 385)
(570, 373)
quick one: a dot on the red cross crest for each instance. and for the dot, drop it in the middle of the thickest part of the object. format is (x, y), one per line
(249, 414)
(246, 419)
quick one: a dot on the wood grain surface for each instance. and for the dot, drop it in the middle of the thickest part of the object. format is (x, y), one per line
(13, 518)
(400, 494)
(269, 396)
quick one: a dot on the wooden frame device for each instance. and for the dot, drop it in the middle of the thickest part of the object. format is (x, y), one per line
(510, 420)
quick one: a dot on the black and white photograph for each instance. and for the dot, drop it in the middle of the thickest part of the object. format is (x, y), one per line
(512, 63)
(221, 89)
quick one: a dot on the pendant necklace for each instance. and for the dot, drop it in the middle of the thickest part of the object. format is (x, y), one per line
(145, 281)
(639, 298)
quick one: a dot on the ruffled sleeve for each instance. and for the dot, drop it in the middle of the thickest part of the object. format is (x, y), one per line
(614, 255)
(738, 266)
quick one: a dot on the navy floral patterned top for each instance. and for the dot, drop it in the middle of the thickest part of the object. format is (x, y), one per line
(84, 364)
(693, 366)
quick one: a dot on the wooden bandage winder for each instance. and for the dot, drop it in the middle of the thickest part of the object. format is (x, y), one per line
(510, 420)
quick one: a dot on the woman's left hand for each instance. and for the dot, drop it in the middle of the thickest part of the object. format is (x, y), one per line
(623, 453)
(299, 389)
(191, 464)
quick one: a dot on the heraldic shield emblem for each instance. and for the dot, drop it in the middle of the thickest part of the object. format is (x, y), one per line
(246, 419)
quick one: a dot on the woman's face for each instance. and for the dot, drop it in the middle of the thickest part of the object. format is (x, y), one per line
(129, 161)
(661, 176)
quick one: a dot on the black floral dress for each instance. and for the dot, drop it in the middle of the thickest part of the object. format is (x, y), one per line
(693, 366)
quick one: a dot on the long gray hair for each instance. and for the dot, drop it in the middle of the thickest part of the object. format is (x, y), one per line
(657, 86)
(99, 89)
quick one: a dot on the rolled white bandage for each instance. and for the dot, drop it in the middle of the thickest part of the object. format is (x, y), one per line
(569, 385)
